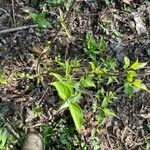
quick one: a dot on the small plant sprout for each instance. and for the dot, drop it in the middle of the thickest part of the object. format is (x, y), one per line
(132, 80)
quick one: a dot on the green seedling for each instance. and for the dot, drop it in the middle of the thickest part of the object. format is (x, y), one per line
(132, 80)
(65, 87)
(70, 97)
(70, 89)
(94, 47)
(105, 98)
(63, 24)
(40, 19)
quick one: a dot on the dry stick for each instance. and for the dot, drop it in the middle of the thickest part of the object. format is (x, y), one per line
(17, 29)
(10, 127)
(1, 9)
(13, 11)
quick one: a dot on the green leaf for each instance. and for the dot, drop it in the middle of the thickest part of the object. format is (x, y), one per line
(63, 106)
(137, 65)
(87, 82)
(138, 84)
(40, 19)
(38, 110)
(109, 112)
(57, 76)
(92, 66)
(76, 97)
(47, 47)
(102, 44)
(63, 90)
(64, 24)
(4, 138)
(130, 75)
(126, 62)
(91, 42)
(147, 146)
(2, 80)
(110, 80)
(101, 117)
(61, 14)
(104, 103)
(128, 89)
(77, 115)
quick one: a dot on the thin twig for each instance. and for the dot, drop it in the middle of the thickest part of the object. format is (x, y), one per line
(13, 11)
(1, 9)
(108, 138)
(35, 125)
(15, 29)
(44, 94)
(10, 127)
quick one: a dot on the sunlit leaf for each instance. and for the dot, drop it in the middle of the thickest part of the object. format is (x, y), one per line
(40, 19)
(102, 44)
(2, 80)
(138, 84)
(130, 75)
(77, 115)
(57, 76)
(104, 103)
(92, 66)
(4, 138)
(109, 112)
(136, 65)
(38, 110)
(63, 106)
(76, 97)
(63, 91)
(128, 89)
(101, 117)
(87, 82)
(126, 62)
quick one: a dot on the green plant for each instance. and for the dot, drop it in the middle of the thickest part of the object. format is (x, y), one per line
(63, 24)
(67, 92)
(40, 19)
(105, 98)
(132, 81)
(47, 132)
(70, 89)
(70, 97)
(105, 71)
(94, 47)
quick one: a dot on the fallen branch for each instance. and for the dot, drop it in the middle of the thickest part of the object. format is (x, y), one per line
(17, 29)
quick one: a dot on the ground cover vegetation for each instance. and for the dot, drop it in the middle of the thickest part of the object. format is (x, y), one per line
(77, 72)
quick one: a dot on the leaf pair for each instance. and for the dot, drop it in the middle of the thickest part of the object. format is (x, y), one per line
(93, 47)
(131, 73)
(135, 66)
(65, 92)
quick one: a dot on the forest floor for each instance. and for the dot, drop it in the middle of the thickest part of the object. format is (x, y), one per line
(29, 104)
